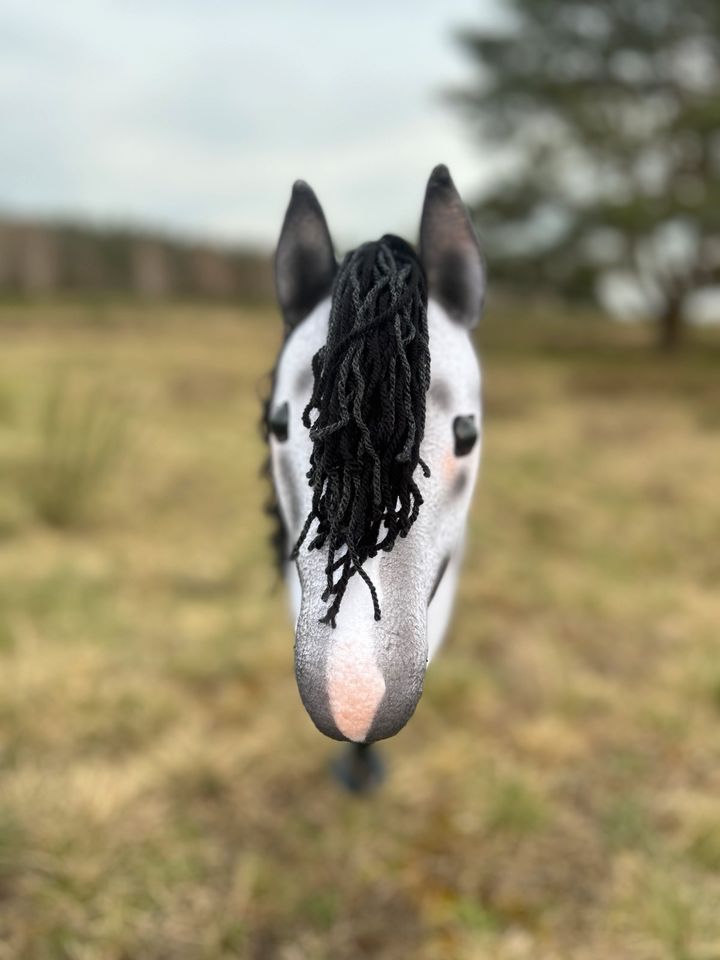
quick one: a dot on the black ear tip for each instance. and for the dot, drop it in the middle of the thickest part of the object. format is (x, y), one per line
(303, 198)
(302, 188)
(441, 176)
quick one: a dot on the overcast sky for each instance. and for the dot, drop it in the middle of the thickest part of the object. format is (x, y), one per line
(198, 114)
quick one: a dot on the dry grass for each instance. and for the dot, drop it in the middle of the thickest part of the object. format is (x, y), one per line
(162, 794)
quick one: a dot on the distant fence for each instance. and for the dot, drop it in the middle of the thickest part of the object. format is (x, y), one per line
(45, 259)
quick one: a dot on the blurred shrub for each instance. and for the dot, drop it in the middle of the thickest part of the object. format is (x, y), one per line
(81, 438)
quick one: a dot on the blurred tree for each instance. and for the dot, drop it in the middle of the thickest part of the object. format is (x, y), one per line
(608, 115)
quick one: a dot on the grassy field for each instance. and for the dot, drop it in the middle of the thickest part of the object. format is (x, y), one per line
(162, 793)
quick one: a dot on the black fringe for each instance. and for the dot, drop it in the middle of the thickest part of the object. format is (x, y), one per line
(370, 385)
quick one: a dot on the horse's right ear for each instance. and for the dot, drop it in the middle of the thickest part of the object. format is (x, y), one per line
(304, 260)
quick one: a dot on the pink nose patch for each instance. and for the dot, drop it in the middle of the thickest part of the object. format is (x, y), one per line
(355, 687)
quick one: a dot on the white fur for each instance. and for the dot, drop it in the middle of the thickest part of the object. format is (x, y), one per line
(440, 528)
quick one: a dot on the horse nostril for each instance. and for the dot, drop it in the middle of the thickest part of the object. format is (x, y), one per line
(466, 432)
(278, 422)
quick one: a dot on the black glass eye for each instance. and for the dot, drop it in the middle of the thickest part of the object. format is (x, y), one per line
(278, 422)
(466, 433)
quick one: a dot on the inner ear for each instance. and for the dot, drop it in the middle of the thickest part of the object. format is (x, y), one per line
(450, 251)
(304, 260)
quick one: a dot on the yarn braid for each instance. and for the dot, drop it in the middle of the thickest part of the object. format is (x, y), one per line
(369, 391)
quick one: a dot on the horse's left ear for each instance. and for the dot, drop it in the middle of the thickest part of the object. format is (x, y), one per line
(304, 260)
(450, 251)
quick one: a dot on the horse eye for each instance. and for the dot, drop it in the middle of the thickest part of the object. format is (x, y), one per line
(465, 431)
(278, 422)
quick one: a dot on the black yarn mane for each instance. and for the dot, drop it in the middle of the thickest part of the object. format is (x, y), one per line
(370, 384)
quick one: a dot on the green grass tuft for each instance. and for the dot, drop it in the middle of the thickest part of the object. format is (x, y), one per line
(515, 808)
(81, 439)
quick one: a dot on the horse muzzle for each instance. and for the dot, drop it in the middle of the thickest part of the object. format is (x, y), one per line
(359, 686)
